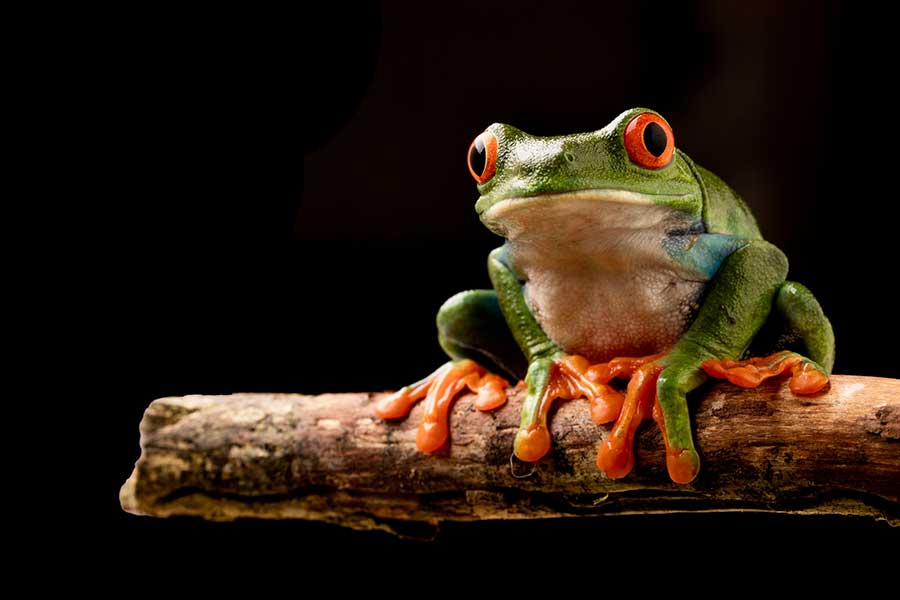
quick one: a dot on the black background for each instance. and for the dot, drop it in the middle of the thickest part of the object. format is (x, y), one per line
(278, 201)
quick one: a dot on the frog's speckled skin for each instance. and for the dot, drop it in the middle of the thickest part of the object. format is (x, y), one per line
(606, 258)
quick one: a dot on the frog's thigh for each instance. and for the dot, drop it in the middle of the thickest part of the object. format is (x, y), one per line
(797, 323)
(470, 325)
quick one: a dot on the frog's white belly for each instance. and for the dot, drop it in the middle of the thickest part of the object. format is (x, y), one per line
(598, 279)
(602, 314)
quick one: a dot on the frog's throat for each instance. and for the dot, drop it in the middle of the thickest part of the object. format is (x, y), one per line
(574, 204)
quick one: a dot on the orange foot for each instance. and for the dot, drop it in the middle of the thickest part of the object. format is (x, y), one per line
(565, 377)
(440, 389)
(570, 377)
(806, 376)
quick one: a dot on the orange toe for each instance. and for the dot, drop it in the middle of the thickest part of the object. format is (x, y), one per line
(683, 465)
(395, 406)
(491, 391)
(607, 407)
(431, 436)
(615, 460)
(807, 379)
(532, 444)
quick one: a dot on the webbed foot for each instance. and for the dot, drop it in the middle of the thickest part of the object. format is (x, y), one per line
(568, 377)
(560, 377)
(439, 390)
(807, 377)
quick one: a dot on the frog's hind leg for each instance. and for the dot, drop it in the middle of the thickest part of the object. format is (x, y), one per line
(803, 326)
(471, 326)
(803, 339)
(472, 331)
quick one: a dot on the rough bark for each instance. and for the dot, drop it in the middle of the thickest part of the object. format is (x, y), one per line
(329, 458)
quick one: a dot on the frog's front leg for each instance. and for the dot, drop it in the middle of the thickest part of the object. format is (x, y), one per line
(737, 303)
(471, 330)
(552, 374)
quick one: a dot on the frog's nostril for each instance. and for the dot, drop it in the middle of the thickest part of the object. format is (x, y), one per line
(570, 157)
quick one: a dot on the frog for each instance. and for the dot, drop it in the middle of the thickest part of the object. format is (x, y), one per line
(623, 260)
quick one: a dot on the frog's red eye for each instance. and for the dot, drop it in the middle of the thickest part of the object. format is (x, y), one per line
(649, 141)
(483, 157)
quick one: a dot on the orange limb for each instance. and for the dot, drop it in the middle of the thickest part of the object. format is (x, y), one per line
(440, 389)
(616, 455)
(806, 376)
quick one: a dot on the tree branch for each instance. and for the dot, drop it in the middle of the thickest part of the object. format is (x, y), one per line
(329, 458)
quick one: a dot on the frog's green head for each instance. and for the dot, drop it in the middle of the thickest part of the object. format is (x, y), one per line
(632, 161)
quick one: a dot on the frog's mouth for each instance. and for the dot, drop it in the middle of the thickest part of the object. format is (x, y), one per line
(578, 213)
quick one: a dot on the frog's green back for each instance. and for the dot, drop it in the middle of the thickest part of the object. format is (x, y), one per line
(723, 209)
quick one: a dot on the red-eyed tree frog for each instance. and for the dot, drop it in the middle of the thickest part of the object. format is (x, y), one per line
(622, 259)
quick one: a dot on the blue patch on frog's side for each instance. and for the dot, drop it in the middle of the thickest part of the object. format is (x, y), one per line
(701, 254)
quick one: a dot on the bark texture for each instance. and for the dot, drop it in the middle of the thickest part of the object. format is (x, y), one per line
(330, 458)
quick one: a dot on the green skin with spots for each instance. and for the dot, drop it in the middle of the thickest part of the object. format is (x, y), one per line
(712, 243)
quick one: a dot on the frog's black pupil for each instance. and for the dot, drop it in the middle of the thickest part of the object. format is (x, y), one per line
(655, 139)
(477, 156)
